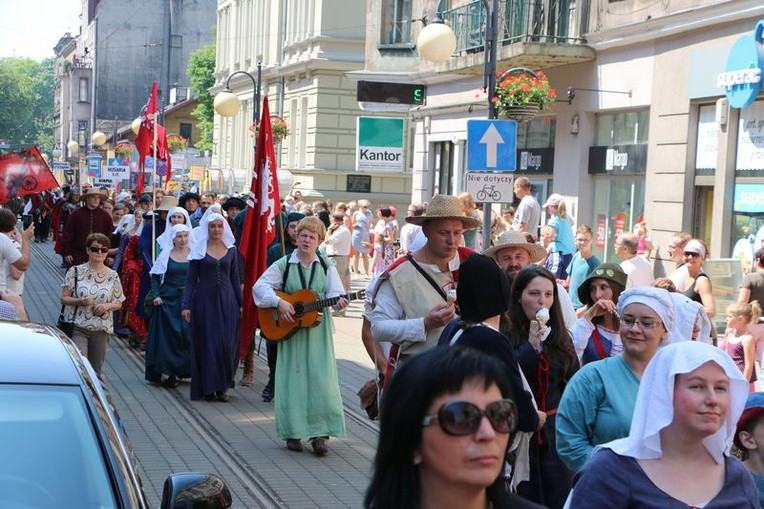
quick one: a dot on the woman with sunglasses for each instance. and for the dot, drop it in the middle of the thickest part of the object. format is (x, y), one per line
(698, 285)
(677, 453)
(456, 407)
(94, 297)
(545, 352)
(599, 401)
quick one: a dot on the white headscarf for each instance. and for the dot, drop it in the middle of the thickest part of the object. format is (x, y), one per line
(175, 210)
(126, 223)
(688, 312)
(160, 265)
(657, 299)
(199, 241)
(215, 208)
(654, 409)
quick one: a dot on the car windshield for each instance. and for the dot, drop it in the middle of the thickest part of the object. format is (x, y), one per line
(50, 456)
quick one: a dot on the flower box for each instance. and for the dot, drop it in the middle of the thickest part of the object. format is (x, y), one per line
(278, 128)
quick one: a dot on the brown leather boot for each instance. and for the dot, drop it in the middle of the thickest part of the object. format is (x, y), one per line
(249, 369)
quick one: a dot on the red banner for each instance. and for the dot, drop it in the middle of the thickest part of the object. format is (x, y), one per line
(263, 207)
(601, 230)
(620, 223)
(24, 173)
(149, 133)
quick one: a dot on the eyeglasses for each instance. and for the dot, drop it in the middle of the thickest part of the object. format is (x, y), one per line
(643, 325)
(691, 255)
(96, 249)
(460, 418)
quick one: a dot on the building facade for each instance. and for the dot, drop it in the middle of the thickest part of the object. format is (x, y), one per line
(305, 48)
(639, 130)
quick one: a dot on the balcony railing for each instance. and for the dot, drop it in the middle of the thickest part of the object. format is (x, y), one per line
(543, 21)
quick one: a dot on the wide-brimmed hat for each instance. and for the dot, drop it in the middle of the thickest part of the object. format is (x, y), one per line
(609, 272)
(444, 207)
(94, 191)
(512, 238)
(167, 203)
(189, 196)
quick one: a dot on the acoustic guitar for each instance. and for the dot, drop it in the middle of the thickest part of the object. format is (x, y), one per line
(307, 307)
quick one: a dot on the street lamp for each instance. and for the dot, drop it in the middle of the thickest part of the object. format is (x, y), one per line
(98, 138)
(227, 104)
(73, 147)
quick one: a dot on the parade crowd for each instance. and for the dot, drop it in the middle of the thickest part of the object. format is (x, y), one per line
(523, 373)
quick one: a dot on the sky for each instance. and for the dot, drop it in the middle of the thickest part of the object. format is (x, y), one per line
(30, 28)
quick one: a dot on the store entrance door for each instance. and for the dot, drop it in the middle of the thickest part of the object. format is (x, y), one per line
(619, 203)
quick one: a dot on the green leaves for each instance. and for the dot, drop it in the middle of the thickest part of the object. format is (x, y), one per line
(201, 69)
(26, 102)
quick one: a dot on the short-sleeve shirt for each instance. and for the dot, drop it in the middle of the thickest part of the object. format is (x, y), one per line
(104, 287)
(9, 254)
(529, 211)
(755, 282)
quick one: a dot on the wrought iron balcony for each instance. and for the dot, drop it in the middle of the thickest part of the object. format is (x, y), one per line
(545, 23)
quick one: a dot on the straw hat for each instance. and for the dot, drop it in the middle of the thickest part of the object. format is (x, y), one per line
(94, 191)
(511, 238)
(167, 203)
(444, 207)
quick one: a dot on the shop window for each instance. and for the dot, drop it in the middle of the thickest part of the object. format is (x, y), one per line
(185, 131)
(538, 133)
(396, 24)
(707, 141)
(619, 203)
(443, 167)
(624, 128)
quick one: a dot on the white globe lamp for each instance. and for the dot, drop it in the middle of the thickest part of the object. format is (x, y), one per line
(136, 125)
(436, 42)
(226, 103)
(98, 138)
(73, 147)
(286, 179)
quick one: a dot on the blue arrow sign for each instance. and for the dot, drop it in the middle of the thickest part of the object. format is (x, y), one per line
(491, 145)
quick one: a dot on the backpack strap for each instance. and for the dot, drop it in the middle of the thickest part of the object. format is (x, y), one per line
(286, 270)
(427, 277)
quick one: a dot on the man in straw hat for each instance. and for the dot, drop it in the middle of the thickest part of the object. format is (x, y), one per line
(513, 253)
(411, 305)
(90, 218)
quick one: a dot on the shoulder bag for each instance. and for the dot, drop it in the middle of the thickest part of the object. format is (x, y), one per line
(67, 327)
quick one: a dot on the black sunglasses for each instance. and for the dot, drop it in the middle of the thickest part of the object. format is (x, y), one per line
(94, 249)
(693, 255)
(460, 418)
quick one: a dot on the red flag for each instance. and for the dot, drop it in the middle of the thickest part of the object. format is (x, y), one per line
(263, 206)
(23, 173)
(144, 141)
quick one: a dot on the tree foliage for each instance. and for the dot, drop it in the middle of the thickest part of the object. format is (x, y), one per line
(201, 69)
(26, 102)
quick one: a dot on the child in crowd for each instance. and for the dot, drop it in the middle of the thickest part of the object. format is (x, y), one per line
(750, 431)
(378, 256)
(645, 245)
(738, 342)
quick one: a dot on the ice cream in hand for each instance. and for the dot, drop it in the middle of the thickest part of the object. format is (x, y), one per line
(542, 317)
(451, 296)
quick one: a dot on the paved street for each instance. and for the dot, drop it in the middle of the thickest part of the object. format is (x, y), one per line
(237, 440)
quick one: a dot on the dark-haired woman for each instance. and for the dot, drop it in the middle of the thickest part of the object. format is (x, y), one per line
(545, 352)
(457, 406)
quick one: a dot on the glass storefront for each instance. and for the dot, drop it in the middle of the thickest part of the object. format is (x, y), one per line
(619, 204)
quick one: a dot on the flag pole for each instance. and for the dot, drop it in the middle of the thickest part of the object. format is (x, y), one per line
(154, 195)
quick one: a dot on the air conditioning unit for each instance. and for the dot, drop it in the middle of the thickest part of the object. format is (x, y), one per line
(178, 94)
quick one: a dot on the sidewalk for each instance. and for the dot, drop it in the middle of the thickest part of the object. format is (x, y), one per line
(236, 439)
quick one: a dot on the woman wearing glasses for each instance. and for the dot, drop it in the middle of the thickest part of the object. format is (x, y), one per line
(698, 285)
(457, 408)
(599, 401)
(92, 299)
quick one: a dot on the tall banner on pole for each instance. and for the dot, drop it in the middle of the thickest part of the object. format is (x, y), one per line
(23, 173)
(263, 206)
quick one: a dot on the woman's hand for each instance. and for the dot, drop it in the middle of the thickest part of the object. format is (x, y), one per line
(286, 311)
(86, 301)
(600, 308)
(542, 419)
(186, 315)
(158, 301)
(536, 334)
(100, 309)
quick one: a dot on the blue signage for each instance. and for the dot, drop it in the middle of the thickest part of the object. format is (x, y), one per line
(94, 166)
(749, 198)
(741, 79)
(491, 145)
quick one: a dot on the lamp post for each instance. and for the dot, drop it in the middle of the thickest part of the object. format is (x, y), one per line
(436, 43)
(227, 104)
(73, 147)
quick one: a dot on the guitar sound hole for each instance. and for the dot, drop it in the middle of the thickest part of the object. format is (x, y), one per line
(298, 308)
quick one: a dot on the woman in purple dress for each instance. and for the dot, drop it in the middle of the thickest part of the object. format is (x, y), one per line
(212, 303)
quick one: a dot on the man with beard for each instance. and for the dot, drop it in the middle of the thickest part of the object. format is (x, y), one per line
(82, 222)
(275, 253)
(512, 252)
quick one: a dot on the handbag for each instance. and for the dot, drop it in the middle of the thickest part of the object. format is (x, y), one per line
(67, 327)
